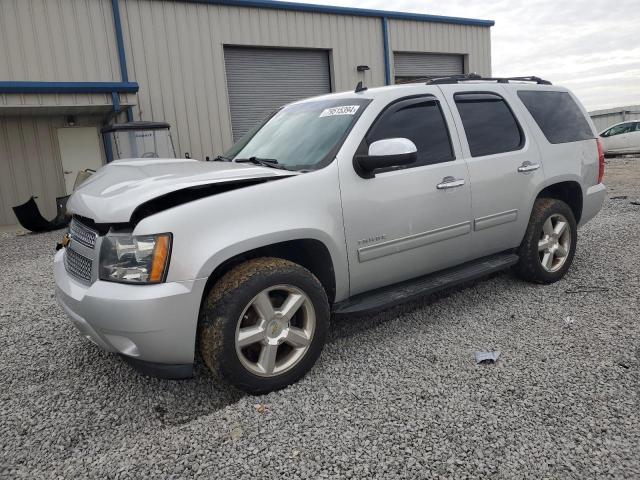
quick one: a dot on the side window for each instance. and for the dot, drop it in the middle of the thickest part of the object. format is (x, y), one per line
(421, 121)
(557, 115)
(620, 129)
(488, 123)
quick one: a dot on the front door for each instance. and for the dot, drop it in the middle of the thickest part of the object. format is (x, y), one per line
(504, 164)
(407, 222)
(79, 150)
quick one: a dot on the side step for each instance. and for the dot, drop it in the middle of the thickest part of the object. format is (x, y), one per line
(401, 292)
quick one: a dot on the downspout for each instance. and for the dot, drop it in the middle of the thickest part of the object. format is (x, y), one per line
(385, 46)
(115, 6)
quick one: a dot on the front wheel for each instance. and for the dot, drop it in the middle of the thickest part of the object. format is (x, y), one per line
(549, 244)
(263, 325)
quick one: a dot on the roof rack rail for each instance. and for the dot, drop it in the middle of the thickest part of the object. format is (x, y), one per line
(447, 79)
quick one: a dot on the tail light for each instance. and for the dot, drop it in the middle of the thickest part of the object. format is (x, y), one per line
(600, 161)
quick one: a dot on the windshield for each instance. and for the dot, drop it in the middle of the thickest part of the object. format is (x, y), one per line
(303, 136)
(154, 143)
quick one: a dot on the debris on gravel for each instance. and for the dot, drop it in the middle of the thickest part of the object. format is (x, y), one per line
(394, 395)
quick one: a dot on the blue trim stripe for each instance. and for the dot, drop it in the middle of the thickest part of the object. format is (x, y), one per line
(68, 87)
(122, 56)
(360, 12)
(115, 6)
(385, 48)
(115, 100)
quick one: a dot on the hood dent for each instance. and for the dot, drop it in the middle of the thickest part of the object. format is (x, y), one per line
(190, 194)
(124, 192)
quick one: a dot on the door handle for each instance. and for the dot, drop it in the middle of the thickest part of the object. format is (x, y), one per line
(450, 182)
(528, 167)
(68, 172)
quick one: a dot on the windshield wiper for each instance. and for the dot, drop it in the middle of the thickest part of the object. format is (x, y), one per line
(265, 162)
(220, 158)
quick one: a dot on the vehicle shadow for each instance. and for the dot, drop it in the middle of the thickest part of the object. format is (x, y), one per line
(345, 326)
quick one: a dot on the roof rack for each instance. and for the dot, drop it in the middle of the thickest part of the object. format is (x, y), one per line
(439, 80)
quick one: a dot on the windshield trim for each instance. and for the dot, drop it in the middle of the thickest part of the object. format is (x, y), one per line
(331, 154)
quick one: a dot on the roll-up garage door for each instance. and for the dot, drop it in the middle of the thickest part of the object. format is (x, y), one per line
(259, 80)
(413, 65)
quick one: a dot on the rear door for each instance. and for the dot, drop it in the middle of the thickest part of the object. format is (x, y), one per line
(504, 164)
(404, 222)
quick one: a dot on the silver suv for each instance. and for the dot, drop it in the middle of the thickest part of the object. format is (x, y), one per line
(344, 203)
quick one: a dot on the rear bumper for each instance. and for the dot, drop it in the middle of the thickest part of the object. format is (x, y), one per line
(592, 202)
(155, 324)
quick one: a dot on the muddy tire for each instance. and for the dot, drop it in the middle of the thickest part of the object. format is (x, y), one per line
(263, 325)
(549, 244)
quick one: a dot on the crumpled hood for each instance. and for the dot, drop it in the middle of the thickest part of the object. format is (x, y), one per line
(112, 193)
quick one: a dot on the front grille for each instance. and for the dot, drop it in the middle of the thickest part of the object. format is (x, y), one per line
(77, 265)
(82, 234)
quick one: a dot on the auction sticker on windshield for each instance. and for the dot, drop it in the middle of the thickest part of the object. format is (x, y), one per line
(342, 110)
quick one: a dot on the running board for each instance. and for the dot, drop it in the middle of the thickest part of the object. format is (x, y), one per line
(401, 292)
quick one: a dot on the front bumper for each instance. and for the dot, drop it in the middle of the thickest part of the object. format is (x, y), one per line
(150, 324)
(592, 202)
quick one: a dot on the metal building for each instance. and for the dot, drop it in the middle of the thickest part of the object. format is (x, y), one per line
(605, 118)
(211, 68)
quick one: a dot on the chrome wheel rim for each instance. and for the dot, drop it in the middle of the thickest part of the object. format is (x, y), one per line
(554, 243)
(275, 330)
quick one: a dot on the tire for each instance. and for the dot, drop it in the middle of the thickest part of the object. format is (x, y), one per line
(236, 311)
(541, 254)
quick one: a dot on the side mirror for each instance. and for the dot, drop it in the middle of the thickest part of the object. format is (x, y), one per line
(390, 152)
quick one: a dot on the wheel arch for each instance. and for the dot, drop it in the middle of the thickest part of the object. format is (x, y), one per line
(309, 253)
(569, 191)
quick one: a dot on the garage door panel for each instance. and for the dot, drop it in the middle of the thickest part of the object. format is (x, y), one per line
(408, 65)
(259, 80)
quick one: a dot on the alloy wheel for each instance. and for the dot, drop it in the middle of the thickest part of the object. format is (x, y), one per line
(554, 243)
(275, 330)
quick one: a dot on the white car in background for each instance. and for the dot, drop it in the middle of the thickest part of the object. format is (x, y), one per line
(622, 137)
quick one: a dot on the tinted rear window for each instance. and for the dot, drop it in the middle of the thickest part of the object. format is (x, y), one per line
(488, 123)
(557, 115)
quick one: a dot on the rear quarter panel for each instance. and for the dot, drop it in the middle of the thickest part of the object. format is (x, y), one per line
(573, 161)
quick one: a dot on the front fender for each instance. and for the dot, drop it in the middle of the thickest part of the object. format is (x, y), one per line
(211, 230)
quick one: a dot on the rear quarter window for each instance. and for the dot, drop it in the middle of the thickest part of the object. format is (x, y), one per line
(557, 115)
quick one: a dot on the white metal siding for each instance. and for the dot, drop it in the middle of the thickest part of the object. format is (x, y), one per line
(175, 52)
(68, 40)
(605, 118)
(425, 64)
(472, 41)
(30, 163)
(259, 80)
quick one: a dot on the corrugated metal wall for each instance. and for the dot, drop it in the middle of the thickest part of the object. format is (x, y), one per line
(425, 64)
(605, 118)
(30, 162)
(471, 41)
(57, 41)
(175, 53)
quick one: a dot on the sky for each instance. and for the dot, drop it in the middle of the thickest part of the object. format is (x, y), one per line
(589, 46)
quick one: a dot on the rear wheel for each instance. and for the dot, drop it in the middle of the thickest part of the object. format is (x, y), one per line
(549, 244)
(263, 325)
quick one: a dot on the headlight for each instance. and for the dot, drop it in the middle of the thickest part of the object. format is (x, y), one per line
(138, 259)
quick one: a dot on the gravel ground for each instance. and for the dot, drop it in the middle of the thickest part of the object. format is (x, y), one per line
(395, 395)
